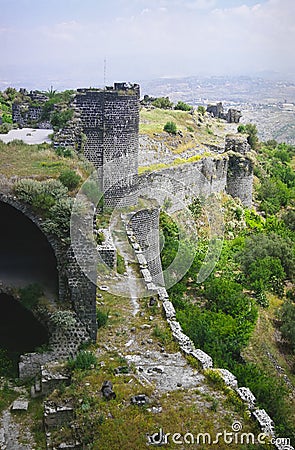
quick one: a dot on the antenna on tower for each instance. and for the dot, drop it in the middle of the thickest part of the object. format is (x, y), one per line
(104, 71)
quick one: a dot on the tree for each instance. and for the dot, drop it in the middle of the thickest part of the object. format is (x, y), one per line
(170, 127)
(251, 130)
(260, 246)
(288, 322)
(267, 274)
(163, 103)
(183, 106)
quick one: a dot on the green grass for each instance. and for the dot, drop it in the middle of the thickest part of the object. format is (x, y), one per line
(39, 161)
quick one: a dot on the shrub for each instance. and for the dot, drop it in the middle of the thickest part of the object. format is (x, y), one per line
(70, 179)
(288, 322)
(91, 189)
(170, 127)
(251, 130)
(102, 318)
(27, 190)
(201, 110)
(63, 319)
(65, 152)
(30, 295)
(58, 222)
(84, 360)
(59, 119)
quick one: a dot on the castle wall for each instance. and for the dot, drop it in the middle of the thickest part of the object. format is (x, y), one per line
(186, 181)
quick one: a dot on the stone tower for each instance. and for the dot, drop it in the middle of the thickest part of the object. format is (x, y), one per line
(240, 168)
(109, 120)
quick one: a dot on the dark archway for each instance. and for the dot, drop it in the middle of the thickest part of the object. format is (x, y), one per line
(26, 256)
(20, 331)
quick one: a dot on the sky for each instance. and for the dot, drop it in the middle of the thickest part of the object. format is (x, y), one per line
(82, 43)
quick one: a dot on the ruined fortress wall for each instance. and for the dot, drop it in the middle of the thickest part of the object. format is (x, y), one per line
(187, 181)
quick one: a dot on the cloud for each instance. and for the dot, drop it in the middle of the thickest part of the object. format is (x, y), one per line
(150, 38)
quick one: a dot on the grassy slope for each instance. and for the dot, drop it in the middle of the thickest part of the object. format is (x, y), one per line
(117, 424)
(196, 129)
(39, 161)
(265, 350)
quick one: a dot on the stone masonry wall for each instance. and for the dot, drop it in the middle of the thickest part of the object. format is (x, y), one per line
(186, 181)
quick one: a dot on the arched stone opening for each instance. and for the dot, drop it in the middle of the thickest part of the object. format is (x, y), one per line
(26, 258)
(20, 331)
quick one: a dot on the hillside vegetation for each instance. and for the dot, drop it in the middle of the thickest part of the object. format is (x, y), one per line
(243, 315)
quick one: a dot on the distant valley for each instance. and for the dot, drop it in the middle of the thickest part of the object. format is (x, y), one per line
(270, 104)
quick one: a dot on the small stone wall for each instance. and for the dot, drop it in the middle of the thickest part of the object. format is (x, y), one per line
(145, 226)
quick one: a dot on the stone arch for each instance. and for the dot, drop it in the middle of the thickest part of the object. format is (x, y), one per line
(73, 288)
(24, 212)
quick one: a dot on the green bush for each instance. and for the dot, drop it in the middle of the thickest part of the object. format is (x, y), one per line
(288, 322)
(251, 130)
(59, 119)
(65, 152)
(101, 318)
(85, 360)
(170, 127)
(91, 189)
(59, 218)
(70, 179)
(63, 319)
(163, 103)
(260, 246)
(27, 190)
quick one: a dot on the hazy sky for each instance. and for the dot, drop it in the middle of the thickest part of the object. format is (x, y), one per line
(64, 42)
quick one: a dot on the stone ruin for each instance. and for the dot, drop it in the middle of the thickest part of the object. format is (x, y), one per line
(231, 116)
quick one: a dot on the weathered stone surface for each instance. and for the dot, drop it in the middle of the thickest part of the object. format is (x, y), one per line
(169, 309)
(228, 377)
(265, 422)
(247, 396)
(205, 360)
(20, 405)
(56, 416)
(107, 390)
(140, 400)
